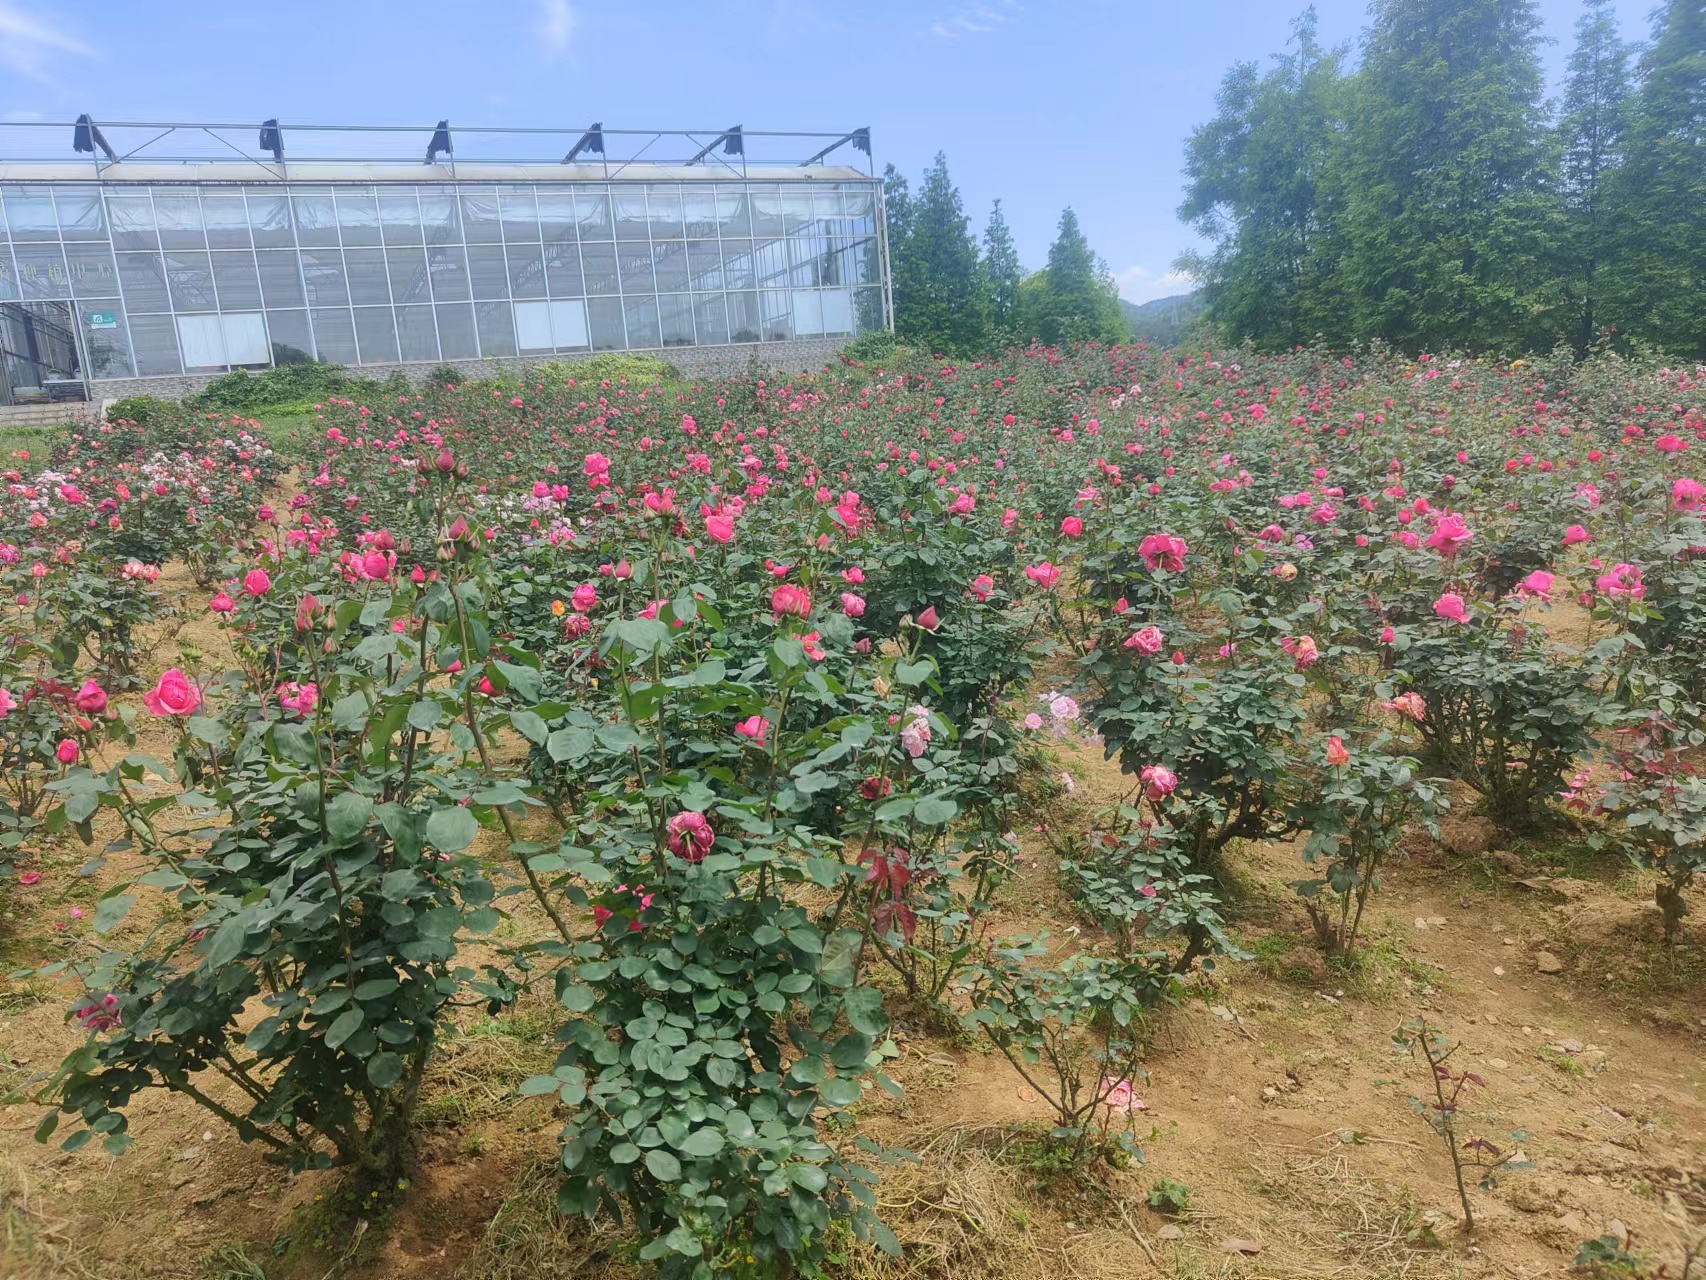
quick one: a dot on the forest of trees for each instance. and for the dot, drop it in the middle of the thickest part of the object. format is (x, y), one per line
(1426, 192)
(955, 300)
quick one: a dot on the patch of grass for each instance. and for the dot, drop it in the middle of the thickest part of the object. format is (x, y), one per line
(474, 1073)
(1284, 955)
(38, 442)
(1379, 971)
(286, 428)
(35, 1244)
(232, 1262)
(528, 1239)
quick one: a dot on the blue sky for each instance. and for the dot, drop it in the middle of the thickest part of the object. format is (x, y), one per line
(1039, 102)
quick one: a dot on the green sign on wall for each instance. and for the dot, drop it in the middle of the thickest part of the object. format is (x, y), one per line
(102, 320)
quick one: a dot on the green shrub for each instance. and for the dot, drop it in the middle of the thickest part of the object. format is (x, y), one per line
(614, 366)
(444, 375)
(874, 347)
(138, 409)
(290, 384)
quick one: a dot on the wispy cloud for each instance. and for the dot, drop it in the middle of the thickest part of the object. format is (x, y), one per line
(30, 44)
(975, 19)
(556, 24)
(1141, 284)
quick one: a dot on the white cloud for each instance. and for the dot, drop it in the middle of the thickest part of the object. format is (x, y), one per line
(1140, 284)
(556, 24)
(975, 19)
(28, 44)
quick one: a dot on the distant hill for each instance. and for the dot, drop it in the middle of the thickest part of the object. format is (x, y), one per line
(1164, 321)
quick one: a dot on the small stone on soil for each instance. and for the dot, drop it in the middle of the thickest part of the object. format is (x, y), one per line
(1546, 962)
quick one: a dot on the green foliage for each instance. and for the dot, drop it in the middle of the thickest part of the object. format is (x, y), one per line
(1356, 813)
(1169, 1197)
(1074, 1033)
(1072, 299)
(875, 347)
(940, 299)
(1659, 197)
(1259, 189)
(289, 384)
(143, 409)
(1443, 176)
(1502, 714)
(1002, 274)
(1428, 200)
(614, 367)
(1590, 135)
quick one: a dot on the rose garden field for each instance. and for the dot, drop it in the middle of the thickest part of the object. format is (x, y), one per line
(1082, 813)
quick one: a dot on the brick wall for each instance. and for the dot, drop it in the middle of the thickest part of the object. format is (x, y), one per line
(802, 355)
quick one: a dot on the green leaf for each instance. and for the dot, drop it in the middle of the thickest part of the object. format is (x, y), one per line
(568, 744)
(703, 1143)
(347, 816)
(349, 711)
(530, 726)
(451, 829)
(538, 1086)
(913, 673)
(208, 730)
(425, 715)
(864, 1006)
(345, 1025)
(524, 682)
(841, 1091)
(663, 1166)
(111, 911)
(808, 1177)
(384, 1069)
(935, 809)
(624, 1153)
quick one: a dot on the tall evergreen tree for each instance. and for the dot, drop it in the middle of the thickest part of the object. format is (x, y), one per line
(1590, 144)
(1001, 274)
(897, 205)
(1657, 290)
(939, 296)
(1444, 180)
(1258, 191)
(1072, 299)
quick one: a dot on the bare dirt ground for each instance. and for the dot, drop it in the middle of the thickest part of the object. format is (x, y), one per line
(1274, 1093)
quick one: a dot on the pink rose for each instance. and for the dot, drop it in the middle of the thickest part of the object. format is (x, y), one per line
(789, 600)
(1451, 606)
(852, 605)
(67, 751)
(1146, 640)
(174, 695)
(1163, 551)
(91, 699)
(1158, 781)
(256, 582)
(690, 836)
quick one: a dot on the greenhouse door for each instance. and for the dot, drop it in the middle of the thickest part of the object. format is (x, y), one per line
(39, 360)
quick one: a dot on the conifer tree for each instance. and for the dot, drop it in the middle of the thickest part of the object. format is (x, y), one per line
(1656, 290)
(1001, 273)
(1590, 145)
(1444, 181)
(939, 295)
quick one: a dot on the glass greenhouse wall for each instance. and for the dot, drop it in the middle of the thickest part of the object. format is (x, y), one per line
(186, 278)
